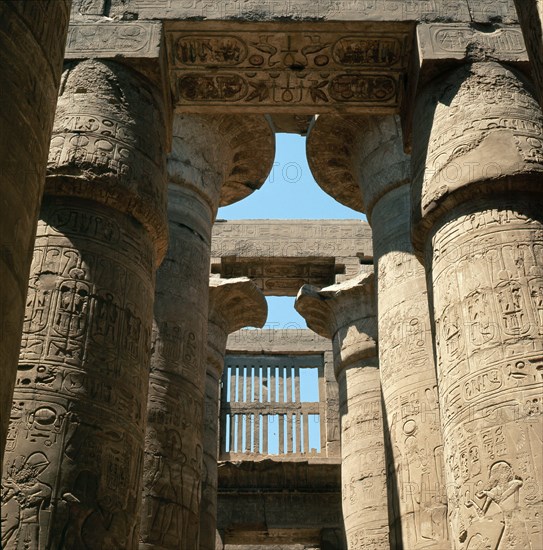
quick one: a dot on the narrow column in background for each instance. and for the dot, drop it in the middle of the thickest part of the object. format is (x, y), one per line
(73, 463)
(32, 38)
(345, 313)
(233, 304)
(215, 161)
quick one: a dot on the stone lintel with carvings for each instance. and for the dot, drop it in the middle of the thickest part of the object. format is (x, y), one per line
(345, 313)
(443, 46)
(478, 11)
(280, 256)
(288, 67)
(233, 304)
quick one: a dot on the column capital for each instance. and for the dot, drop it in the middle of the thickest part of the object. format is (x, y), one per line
(109, 143)
(357, 160)
(233, 304)
(480, 133)
(345, 313)
(223, 158)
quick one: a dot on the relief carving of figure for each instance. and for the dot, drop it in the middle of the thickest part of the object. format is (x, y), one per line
(24, 497)
(492, 509)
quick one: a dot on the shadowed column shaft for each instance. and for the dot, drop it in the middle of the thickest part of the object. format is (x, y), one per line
(73, 465)
(32, 38)
(408, 379)
(233, 304)
(173, 445)
(212, 163)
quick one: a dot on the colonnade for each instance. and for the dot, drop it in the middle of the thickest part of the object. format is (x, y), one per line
(106, 443)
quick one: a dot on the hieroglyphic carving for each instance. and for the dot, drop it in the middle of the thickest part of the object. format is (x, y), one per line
(490, 384)
(74, 458)
(303, 68)
(124, 166)
(364, 485)
(108, 39)
(173, 440)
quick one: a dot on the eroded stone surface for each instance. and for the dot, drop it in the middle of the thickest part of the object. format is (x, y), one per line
(74, 463)
(483, 250)
(346, 314)
(34, 30)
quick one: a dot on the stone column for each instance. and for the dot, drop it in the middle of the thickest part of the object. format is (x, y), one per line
(233, 304)
(73, 464)
(478, 220)
(379, 177)
(215, 160)
(32, 38)
(530, 13)
(345, 313)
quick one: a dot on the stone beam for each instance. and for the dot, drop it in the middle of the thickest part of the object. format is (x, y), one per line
(32, 37)
(345, 313)
(280, 67)
(233, 304)
(478, 11)
(281, 256)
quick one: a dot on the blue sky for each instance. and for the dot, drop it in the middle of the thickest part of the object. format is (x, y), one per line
(289, 192)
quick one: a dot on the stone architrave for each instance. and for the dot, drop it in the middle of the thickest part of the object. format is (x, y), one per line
(32, 37)
(74, 458)
(215, 160)
(375, 172)
(477, 219)
(345, 313)
(233, 304)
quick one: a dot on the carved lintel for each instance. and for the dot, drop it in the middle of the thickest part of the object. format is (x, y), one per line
(276, 67)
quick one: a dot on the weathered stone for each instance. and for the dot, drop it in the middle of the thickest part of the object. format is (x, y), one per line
(73, 466)
(233, 304)
(477, 170)
(376, 163)
(29, 30)
(281, 256)
(212, 163)
(530, 13)
(478, 11)
(345, 313)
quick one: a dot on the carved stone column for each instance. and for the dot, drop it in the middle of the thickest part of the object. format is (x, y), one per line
(376, 172)
(215, 160)
(233, 304)
(477, 180)
(32, 38)
(73, 464)
(345, 313)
